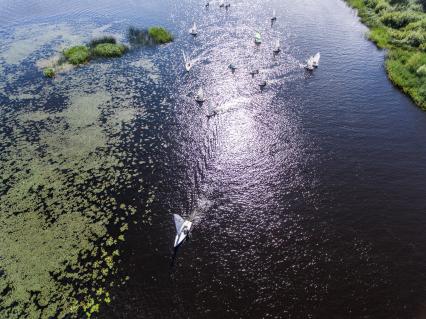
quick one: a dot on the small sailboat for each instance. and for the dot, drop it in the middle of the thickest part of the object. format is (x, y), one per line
(277, 47)
(221, 4)
(187, 61)
(211, 112)
(274, 16)
(207, 4)
(183, 228)
(254, 72)
(310, 64)
(257, 38)
(262, 84)
(193, 30)
(316, 59)
(200, 96)
(232, 67)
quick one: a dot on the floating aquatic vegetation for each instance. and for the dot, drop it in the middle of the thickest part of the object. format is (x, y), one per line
(27, 40)
(152, 70)
(61, 167)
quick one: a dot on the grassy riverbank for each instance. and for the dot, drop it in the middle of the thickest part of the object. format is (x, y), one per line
(400, 27)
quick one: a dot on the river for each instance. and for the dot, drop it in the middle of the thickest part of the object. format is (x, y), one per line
(308, 197)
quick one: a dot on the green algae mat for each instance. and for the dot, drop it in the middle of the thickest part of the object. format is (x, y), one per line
(64, 166)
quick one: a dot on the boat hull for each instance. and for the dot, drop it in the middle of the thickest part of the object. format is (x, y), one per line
(182, 235)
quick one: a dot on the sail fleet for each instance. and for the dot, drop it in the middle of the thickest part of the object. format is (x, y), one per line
(183, 227)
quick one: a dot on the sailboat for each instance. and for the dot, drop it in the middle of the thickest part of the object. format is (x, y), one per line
(277, 47)
(257, 38)
(274, 16)
(193, 30)
(310, 64)
(232, 67)
(200, 96)
(207, 4)
(187, 61)
(262, 84)
(254, 72)
(183, 228)
(316, 59)
(221, 4)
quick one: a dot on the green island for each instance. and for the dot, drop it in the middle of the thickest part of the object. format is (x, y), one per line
(107, 47)
(400, 27)
(160, 35)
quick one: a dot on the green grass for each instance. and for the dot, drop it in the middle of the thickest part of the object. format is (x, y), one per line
(78, 54)
(109, 50)
(160, 35)
(399, 26)
(49, 72)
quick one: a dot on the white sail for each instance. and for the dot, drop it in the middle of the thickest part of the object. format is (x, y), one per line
(257, 37)
(187, 61)
(200, 95)
(184, 57)
(274, 15)
(316, 59)
(277, 47)
(193, 30)
(178, 222)
(310, 63)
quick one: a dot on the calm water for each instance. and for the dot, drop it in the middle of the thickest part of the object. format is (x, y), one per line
(308, 198)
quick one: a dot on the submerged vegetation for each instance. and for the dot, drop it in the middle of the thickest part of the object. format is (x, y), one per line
(400, 27)
(153, 35)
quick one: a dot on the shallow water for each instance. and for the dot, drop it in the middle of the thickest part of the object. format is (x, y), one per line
(308, 196)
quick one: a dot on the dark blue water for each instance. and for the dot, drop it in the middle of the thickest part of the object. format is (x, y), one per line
(308, 197)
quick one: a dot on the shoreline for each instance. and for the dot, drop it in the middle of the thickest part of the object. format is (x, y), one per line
(402, 61)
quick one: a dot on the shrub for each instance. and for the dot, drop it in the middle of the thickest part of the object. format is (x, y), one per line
(109, 50)
(398, 2)
(398, 19)
(160, 35)
(49, 72)
(422, 70)
(105, 39)
(77, 55)
(415, 61)
(415, 39)
(382, 6)
(371, 3)
(423, 3)
(380, 36)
